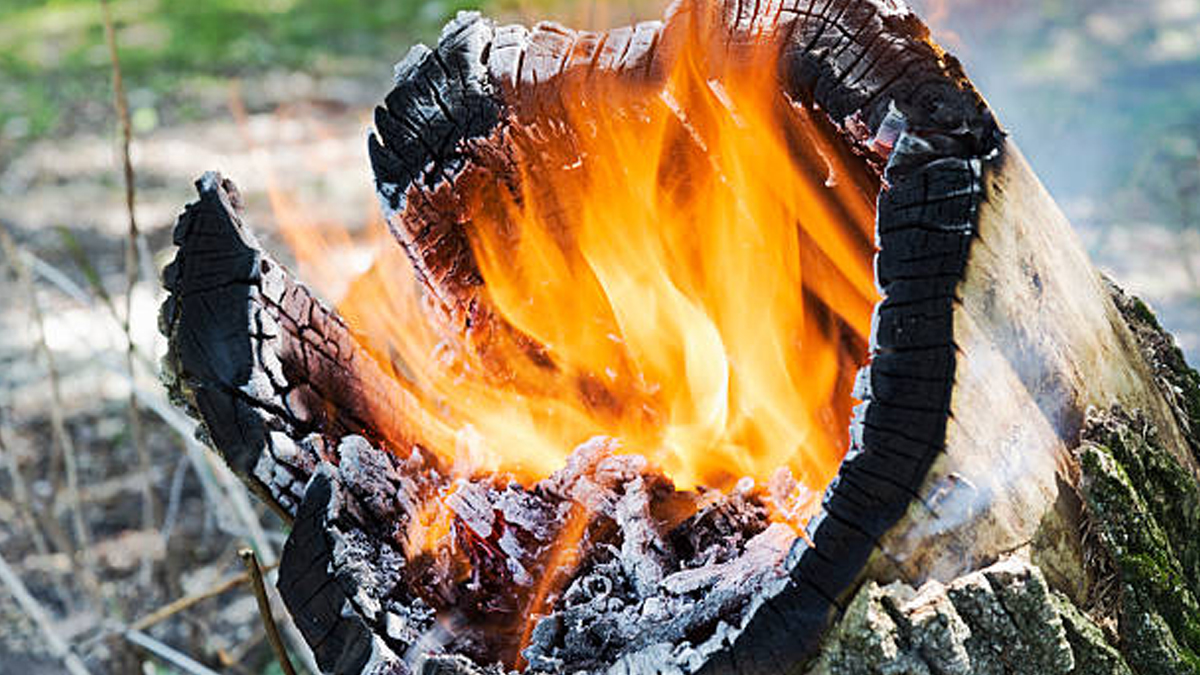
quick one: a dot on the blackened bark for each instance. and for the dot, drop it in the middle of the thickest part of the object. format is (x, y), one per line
(894, 105)
(273, 374)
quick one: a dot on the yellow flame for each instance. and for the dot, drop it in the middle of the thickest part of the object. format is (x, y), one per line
(696, 266)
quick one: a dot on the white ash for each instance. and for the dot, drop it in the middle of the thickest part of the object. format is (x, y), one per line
(284, 465)
(472, 503)
(652, 597)
(657, 576)
(643, 552)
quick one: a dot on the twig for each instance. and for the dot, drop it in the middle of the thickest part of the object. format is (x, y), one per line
(174, 499)
(32, 608)
(55, 277)
(221, 489)
(80, 257)
(217, 480)
(21, 494)
(168, 654)
(131, 275)
(176, 606)
(264, 610)
(66, 444)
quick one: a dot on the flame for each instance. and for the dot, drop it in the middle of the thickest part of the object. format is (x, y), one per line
(697, 268)
(689, 274)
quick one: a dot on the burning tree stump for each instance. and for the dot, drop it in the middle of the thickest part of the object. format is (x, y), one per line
(658, 411)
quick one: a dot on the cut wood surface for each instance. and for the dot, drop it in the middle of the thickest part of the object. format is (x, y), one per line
(1039, 342)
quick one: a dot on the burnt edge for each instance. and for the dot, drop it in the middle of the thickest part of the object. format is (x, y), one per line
(872, 69)
(273, 374)
(263, 365)
(219, 266)
(254, 356)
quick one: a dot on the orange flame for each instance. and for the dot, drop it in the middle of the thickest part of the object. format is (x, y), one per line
(697, 267)
(693, 269)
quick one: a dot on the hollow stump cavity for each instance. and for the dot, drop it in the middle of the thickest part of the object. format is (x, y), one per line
(965, 344)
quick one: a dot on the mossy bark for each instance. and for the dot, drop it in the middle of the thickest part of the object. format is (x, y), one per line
(1121, 552)
(1158, 616)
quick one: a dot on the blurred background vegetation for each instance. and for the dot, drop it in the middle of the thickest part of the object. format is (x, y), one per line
(56, 71)
(1102, 95)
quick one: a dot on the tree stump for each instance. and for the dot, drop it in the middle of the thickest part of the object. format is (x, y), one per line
(1015, 414)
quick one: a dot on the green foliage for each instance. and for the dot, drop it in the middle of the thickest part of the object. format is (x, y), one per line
(55, 74)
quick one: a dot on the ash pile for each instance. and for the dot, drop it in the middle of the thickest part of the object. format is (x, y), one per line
(602, 567)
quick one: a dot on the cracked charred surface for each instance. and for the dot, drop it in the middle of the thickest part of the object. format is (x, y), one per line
(370, 588)
(869, 80)
(261, 362)
(1138, 610)
(871, 83)
(1113, 584)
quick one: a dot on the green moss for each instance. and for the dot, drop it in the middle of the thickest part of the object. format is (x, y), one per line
(1159, 621)
(1093, 654)
(1142, 313)
(1174, 500)
(1148, 643)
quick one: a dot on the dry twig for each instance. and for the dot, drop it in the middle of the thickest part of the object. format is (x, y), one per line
(34, 610)
(167, 611)
(131, 275)
(264, 610)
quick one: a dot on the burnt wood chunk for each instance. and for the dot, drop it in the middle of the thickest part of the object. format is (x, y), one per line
(339, 639)
(274, 376)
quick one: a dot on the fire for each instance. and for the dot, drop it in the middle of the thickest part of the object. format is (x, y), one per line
(693, 272)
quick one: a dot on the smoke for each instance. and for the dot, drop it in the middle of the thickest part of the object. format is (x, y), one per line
(1103, 97)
